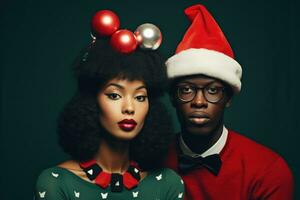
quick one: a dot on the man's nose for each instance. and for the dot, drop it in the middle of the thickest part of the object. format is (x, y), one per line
(199, 100)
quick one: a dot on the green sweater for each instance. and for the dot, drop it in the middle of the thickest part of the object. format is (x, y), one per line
(60, 184)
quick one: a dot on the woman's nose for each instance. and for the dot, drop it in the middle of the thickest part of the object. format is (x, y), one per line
(128, 107)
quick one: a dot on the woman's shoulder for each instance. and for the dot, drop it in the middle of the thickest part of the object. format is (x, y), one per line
(54, 177)
(58, 171)
(52, 173)
(52, 182)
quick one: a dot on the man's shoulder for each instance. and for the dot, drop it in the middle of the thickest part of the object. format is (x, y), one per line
(251, 150)
(269, 168)
(244, 143)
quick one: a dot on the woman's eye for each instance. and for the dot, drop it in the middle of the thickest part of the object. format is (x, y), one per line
(113, 96)
(141, 98)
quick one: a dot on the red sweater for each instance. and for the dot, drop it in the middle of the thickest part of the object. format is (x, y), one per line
(249, 171)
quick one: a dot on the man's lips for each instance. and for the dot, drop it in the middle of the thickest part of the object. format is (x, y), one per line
(198, 118)
(127, 124)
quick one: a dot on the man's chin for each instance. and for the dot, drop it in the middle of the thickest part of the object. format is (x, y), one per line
(199, 130)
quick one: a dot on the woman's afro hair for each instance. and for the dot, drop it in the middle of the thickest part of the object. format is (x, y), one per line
(101, 63)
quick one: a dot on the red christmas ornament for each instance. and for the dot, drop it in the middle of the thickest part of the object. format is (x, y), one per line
(124, 41)
(105, 23)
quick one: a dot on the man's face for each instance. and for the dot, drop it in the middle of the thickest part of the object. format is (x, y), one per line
(196, 101)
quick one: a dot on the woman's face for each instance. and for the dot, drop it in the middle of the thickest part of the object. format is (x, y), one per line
(123, 107)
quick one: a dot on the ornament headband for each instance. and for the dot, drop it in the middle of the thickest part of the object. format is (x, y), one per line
(107, 23)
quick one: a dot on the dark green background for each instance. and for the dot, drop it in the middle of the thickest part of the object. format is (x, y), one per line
(40, 39)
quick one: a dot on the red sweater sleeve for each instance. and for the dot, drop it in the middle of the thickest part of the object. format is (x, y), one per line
(275, 183)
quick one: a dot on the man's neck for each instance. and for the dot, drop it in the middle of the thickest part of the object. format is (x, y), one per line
(200, 143)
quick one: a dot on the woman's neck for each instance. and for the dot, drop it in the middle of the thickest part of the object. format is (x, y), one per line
(113, 156)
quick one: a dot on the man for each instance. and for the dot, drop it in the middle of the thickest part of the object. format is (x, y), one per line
(215, 162)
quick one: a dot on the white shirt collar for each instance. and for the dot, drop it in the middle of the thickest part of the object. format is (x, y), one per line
(215, 149)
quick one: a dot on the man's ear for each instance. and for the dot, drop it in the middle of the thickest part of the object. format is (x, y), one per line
(228, 103)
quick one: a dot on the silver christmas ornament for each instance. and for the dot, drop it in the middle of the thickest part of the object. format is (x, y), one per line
(148, 36)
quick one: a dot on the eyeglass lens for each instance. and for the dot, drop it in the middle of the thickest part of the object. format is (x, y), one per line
(212, 92)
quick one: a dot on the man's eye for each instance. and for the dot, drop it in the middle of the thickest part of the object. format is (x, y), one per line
(141, 98)
(185, 90)
(113, 96)
(213, 90)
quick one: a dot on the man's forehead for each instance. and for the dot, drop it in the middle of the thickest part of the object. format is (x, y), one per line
(197, 79)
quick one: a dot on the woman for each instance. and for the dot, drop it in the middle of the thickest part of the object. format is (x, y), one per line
(115, 130)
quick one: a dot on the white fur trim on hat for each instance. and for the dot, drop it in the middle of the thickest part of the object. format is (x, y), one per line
(207, 62)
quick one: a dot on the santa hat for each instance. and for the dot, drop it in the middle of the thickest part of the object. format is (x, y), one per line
(205, 50)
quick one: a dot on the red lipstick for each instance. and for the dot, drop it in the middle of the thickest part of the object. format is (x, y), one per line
(127, 124)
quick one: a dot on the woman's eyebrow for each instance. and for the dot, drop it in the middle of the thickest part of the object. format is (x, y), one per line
(141, 87)
(116, 85)
(123, 87)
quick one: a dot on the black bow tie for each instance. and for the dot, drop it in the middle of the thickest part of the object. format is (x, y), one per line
(212, 163)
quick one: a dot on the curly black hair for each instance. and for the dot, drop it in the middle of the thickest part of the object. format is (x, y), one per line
(101, 63)
(79, 128)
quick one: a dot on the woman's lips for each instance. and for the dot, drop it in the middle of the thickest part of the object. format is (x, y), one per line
(198, 118)
(127, 124)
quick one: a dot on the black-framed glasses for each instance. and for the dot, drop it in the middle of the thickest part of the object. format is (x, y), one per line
(212, 93)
